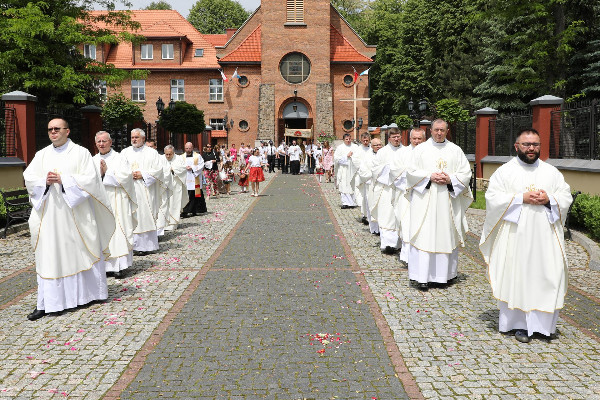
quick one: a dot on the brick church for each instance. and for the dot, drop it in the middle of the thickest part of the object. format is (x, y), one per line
(291, 70)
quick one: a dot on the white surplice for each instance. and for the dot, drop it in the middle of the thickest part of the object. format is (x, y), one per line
(147, 190)
(388, 166)
(360, 193)
(365, 179)
(523, 245)
(180, 196)
(402, 206)
(166, 191)
(438, 219)
(346, 169)
(71, 226)
(118, 182)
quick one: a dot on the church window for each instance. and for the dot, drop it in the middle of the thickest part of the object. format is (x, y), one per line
(347, 124)
(295, 11)
(243, 125)
(215, 87)
(295, 67)
(348, 80)
(243, 81)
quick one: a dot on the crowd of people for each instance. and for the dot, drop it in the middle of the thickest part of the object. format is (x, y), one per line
(92, 214)
(415, 198)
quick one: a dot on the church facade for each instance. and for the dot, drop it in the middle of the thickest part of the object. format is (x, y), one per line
(291, 70)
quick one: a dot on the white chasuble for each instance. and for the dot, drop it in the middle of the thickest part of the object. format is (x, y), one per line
(166, 191)
(71, 224)
(147, 190)
(402, 205)
(346, 167)
(118, 183)
(523, 244)
(388, 166)
(180, 196)
(438, 219)
(360, 193)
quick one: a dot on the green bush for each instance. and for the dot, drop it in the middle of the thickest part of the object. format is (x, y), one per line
(584, 215)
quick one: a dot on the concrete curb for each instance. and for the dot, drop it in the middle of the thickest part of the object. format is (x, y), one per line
(588, 244)
(14, 228)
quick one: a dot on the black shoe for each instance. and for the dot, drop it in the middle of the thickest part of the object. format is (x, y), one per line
(36, 314)
(185, 215)
(118, 275)
(344, 207)
(365, 221)
(376, 233)
(522, 336)
(423, 287)
(390, 250)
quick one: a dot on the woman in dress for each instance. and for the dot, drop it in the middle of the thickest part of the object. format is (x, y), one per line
(256, 171)
(211, 171)
(327, 160)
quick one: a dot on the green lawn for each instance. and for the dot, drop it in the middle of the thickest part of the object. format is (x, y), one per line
(480, 203)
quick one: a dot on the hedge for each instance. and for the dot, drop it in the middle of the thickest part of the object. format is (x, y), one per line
(585, 215)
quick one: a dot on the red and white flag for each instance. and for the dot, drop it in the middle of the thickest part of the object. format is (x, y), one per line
(355, 74)
(223, 76)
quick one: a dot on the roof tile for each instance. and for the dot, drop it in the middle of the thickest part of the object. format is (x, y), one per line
(248, 50)
(342, 50)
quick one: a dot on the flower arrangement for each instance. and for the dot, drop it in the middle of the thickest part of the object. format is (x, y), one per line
(323, 137)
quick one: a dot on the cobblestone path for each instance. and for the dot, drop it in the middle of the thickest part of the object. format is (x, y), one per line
(280, 314)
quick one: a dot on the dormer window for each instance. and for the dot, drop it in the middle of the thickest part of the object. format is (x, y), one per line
(146, 52)
(167, 52)
(199, 53)
(295, 11)
(89, 51)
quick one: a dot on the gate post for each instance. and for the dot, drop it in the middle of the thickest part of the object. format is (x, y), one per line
(482, 133)
(24, 105)
(542, 120)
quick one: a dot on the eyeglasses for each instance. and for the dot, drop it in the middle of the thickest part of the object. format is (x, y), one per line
(55, 129)
(528, 145)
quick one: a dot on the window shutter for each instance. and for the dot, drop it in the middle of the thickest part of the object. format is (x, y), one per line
(295, 10)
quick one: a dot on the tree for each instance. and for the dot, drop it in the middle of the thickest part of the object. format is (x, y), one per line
(182, 118)
(38, 49)
(214, 16)
(404, 121)
(159, 5)
(451, 111)
(119, 110)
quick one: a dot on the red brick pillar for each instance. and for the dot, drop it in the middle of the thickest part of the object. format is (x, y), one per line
(92, 117)
(542, 117)
(24, 105)
(426, 126)
(482, 133)
(405, 137)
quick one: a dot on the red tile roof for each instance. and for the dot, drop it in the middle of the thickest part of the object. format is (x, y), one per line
(248, 51)
(165, 24)
(217, 39)
(218, 133)
(342, 50)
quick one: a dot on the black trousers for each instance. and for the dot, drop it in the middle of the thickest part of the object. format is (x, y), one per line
(311, 164)
(195, 205)
(295, 167)
(283, 163)
(271, 161)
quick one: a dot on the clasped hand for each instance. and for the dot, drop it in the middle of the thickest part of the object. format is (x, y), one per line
(441, 178)
(536, 197)
(137, 175)
(53, 177)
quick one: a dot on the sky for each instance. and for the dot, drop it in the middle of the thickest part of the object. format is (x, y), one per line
(183, 6)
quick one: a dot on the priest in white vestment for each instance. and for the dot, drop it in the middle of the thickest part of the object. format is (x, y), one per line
(118, 182)
(71, 224)
(365, 173)
(180, 197)
(523, 241)
(360, 194)
(402, 206)
(194, 164)
(388, 167)
(147, 175)
(166, 191)
(346, 162)
(439, 194)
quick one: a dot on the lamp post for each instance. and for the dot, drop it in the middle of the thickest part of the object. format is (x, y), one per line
(226, 126)
(416, 115)
(358, 125)
(171, 104)
(160, 106)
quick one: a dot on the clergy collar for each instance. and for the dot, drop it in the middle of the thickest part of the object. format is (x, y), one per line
(139, 148)
(439, 144)
(107, 154)
(524, 164)
(394, 147)
(62, 148)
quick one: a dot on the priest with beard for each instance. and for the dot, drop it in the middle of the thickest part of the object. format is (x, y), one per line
(346, 161)
(194, 164)
(439, 194)
(179, 198)
(148, 177)
(523, 240)
(166, 191)
(71, 224)
(118, 182)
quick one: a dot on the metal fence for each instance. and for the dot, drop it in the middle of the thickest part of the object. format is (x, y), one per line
(77, 124)
(463, 134)
(575, 131)
(8, 134)
(503, 132)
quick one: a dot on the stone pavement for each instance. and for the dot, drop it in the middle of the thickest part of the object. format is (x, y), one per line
(236, 306)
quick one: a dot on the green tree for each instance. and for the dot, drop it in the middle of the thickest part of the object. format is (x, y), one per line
(159, 5)
(119, 110)
(214, 16)
(182, 118)
(451, 111)
(38, 49)
(404, 121)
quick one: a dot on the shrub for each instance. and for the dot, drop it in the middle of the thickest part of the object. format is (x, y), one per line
(584, 215)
